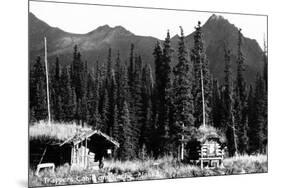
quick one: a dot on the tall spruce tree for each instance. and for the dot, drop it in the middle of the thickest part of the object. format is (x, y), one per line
(158, 98)
(102, 83)
(56, 99)
(38, 100)
(108, 90)
(126, 128)
(126, 150)
(146, 108)
(162, 92)
(240, 105)
(166, 93)
(228, 107)
(261, 114)
(134, 97)
(112, 103)
(84, 99)
(182, 90)
(200, 66)
(138, 103)
(158, 54)
(69, 104)
(79, 84)
(91, 100)
(118, 76)
(96, 119)
(252, 121)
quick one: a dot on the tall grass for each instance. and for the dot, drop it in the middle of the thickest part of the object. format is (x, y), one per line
(166, 167)
(246, 164)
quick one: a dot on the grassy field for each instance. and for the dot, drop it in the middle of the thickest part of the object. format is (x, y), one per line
(167, 167)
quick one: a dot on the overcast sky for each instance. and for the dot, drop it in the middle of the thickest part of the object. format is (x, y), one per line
(81, 19)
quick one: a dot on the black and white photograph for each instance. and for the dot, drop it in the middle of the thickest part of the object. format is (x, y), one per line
(128, 93)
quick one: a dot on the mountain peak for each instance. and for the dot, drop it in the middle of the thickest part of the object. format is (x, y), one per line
(217, 24)
(103, 28)
(119, 27)
(106, 29)
(121, 30)
(216, 17)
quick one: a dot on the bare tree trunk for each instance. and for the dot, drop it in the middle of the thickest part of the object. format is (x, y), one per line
(234, 134)
(47, 82)
(202, 92)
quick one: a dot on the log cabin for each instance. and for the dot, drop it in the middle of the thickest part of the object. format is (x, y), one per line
(206, 148)
(82, 150)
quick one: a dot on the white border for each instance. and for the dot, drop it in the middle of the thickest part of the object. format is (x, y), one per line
(13, 99)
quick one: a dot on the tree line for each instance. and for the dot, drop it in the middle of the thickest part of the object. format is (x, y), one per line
(147, 113)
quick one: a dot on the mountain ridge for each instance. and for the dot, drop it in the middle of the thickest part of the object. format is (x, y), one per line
(94, 45)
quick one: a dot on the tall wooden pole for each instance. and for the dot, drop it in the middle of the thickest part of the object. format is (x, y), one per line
(182, 143)
(202, 90)
(47, 82)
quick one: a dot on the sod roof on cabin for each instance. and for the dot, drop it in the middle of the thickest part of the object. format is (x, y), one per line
(61, 133)
(208, 132)
(81, 136)
(202, 134)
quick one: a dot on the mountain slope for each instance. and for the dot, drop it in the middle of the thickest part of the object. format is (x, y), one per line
(94, 45)
(218, 32)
